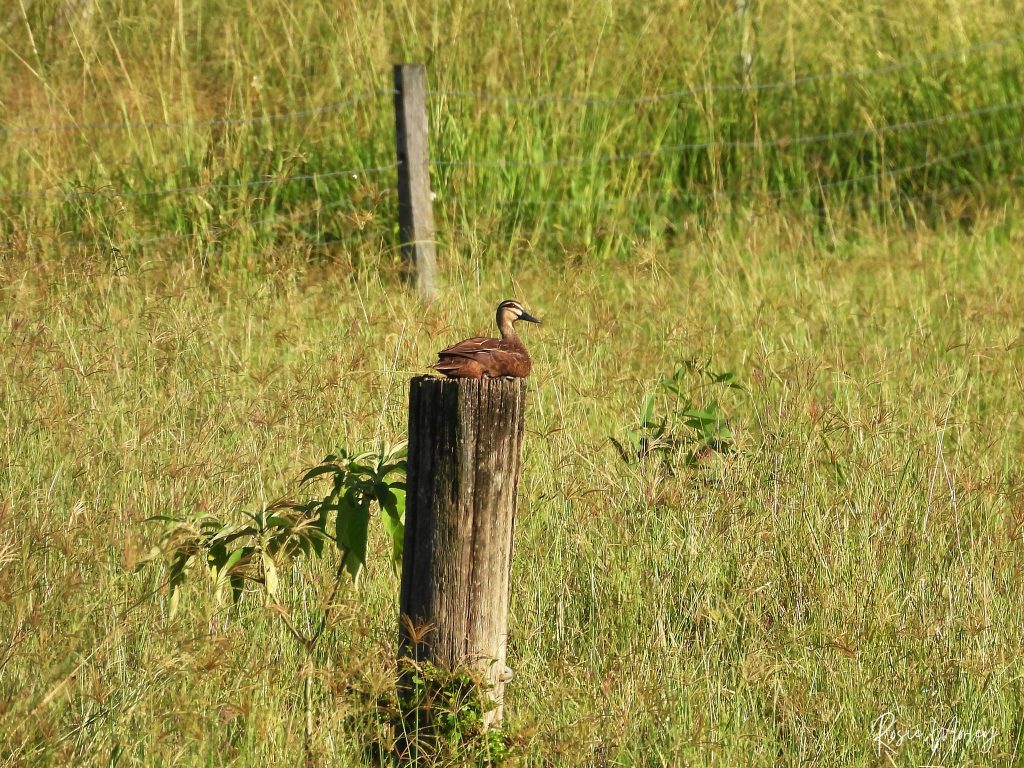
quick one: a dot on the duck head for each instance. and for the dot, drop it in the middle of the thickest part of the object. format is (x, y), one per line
(511, 311)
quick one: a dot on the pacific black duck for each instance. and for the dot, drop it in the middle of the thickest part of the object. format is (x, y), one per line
(478, 357)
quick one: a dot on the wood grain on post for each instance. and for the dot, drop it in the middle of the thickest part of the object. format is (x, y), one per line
(465, 437)
(415, 205)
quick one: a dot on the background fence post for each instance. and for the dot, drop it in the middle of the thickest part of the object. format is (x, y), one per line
(415, 206)
(465, 437)
(746, 57)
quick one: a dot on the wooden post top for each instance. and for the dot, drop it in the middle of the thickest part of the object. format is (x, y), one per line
(483, 383)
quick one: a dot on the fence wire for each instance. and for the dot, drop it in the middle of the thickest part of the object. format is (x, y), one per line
(116, 242)
(850, 205)
(75, 127)
(849, 74)
(668, 196)
(117, 194)
(788, 141)
(227, 120)
(785, 192)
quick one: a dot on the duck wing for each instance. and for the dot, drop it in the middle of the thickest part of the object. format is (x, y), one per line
(481, 356)
(470, 347)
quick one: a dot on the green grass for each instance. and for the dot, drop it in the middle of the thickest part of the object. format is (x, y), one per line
(859, 554)
(866, 72)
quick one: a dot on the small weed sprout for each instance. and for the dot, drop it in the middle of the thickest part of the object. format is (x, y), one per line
(682, 425)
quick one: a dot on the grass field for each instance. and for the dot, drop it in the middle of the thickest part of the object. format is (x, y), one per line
(858, 555)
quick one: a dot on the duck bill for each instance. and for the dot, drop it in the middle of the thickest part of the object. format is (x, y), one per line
(529, 318)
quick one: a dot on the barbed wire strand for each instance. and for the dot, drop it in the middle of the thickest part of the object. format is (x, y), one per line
(723, 144)
(215, 232)
(860, 202)
(612, 202)
(291, 216)
(531, 234)
(212, 237)
(898, 197)
(73, 127)
(861, 72)
(369, 170)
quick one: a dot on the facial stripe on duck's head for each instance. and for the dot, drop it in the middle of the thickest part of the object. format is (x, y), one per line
(510, 307)
(511, 310)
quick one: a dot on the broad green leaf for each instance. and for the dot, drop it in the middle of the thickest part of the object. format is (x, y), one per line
(388, 499)
(397, 508)
(351, 529)
(361, 469)
(338, 486)
(323, 469)
(210, 525)
(178, 565)
(647, 412)
(237, 585)
(233, 559)
(353, 563)
(230, 534)
(317, 544)
(395, 530)
(216, 556)
(387, 469)
(700, 416)
(282, 544)
(729, 379)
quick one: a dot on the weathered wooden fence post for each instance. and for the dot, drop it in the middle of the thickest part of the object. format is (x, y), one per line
(465, 437)
(746, 57)
(415, 206)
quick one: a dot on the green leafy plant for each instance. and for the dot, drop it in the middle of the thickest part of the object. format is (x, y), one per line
(682, 426)
(443, 718)
(357, 482)
(253, 550)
